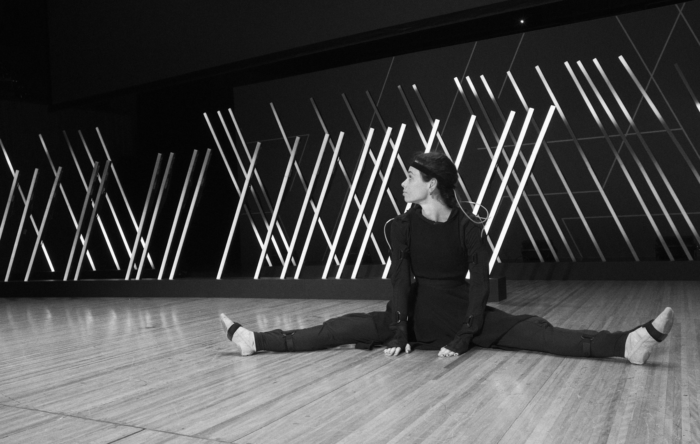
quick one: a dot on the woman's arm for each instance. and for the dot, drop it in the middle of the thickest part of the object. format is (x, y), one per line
(479, 255)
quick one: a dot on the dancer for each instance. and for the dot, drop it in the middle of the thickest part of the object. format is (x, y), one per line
(432, 307)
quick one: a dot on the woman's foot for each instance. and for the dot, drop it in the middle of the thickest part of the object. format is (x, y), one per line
(641, 341)
(243, 338)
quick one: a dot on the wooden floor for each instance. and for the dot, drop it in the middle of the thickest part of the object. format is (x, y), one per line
(107, 370)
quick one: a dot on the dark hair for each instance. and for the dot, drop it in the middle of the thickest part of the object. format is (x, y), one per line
(439, 167)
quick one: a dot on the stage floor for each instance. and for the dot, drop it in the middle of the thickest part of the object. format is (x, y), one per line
(119, 370)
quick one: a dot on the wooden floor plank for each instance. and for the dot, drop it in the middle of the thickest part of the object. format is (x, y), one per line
(160, 370)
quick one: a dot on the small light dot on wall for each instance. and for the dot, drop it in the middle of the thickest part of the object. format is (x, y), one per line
(522, 21)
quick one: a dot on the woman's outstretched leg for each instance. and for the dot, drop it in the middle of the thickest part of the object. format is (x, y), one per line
(355, 328)
(536, 334)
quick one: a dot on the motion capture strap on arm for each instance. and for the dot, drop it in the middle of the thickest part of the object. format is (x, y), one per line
(586, 341)
(289, 341)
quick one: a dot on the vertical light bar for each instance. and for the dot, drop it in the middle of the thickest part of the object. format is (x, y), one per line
(301, 176)
(532, 179)
(10, 198)
(56, 181)
(252, 190)
(31, 218)
(348, 201)
(239, 206)
(144, 213)
(109, 201)
(95, 209)
(656, 165)
(465, 139)
(99, 221)
(617, 155)
(380, 194)
(78, 235)
(368, 191)
(521, 187)
(193, 204)
(278, 204)
(238, 191)
(321, 199)
(302, 211)
(27, 204)
(509, 171)
(119, 184)
(670, 134)
(185, 188)
(515, 176)
(601, 190)
(494, 160)
(65, 197)
(163, 186)
(344, 172)
(498, 169)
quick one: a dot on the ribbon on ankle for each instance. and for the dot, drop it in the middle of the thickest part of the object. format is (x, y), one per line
(654, 333)
(231, 330)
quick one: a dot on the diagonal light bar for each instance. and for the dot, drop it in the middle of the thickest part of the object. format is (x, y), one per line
(532, 176)
(121, 189)
(380, 194)
(278, 204)
(252, 190)
(10, 198)
(494, 160)
(31, 218)
(521, 187)
(673, 138)
(690, 90)
(601, 190)
(371, 154)
(144, 213)
(626, 143)
(239, 207)
(368, 191)
(655, 162)
(82, 178)
(27, 204)
(176, 219)
(193, 204)
(348, 201)
(238, 190)
(498, 169)
(515, 175)
(345, 174)
(88, 232)
(56, 181)
(301, 176)
(156, 209)
(305, 203)
(78, 235)
(375, 110)
(335, 159)
(109, 201)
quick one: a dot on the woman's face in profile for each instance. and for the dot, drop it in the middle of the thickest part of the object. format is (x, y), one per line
(415, 189)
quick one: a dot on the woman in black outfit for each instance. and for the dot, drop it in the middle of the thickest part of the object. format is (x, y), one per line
(432, 307)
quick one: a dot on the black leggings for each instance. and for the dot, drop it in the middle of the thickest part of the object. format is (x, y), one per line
(367, 329)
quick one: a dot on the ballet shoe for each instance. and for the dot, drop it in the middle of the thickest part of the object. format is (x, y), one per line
(641, 341)
(242, 337)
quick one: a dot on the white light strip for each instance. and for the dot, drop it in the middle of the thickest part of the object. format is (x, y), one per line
(380, 194)
(239, 207)
(278, 204)
(193, 204)
(521, 187)
(88, 193)
(348, 201)
(146, 205)
(368, 191)
(88, 233)
(30, 195)
(305, 203)
(56, 181)
(321, 199)
(494, 161)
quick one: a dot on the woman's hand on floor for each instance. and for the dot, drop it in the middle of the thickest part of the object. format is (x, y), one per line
(395, 351)
(446, 353)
